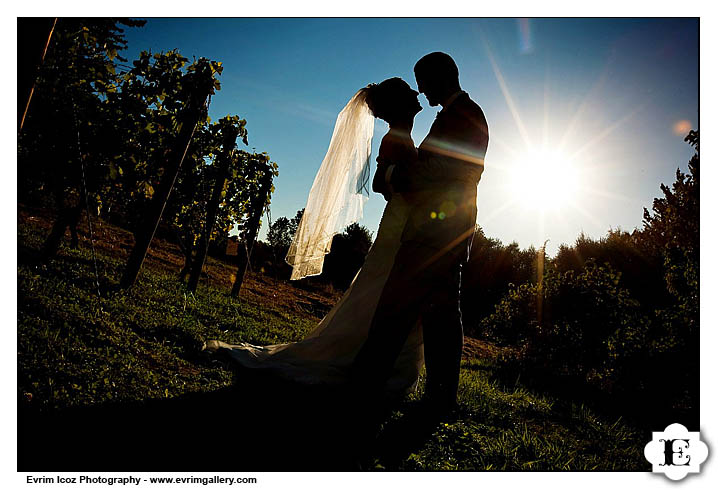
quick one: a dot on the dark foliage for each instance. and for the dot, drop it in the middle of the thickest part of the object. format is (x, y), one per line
(349, 249)
(279, 237)
(101, 136)
(616, 316)
(492, 270)
(63, 148)
(573, 325)
(640, 267)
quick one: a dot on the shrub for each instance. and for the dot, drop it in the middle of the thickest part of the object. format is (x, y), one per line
(577, 325)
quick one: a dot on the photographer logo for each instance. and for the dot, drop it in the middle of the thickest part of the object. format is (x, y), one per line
(676, 452)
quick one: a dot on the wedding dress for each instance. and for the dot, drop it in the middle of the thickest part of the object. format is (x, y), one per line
(326, 355)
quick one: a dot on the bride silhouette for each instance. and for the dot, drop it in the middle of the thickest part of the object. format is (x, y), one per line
(326, 355)
(407, 293)
(271, 422)
(292, 413)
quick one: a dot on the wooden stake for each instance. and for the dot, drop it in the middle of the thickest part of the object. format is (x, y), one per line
(257, 209)
(225, 160)
(159, 199)
(31, 78)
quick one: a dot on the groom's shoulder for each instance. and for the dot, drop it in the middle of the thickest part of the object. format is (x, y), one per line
(467, 106)
(469, 111)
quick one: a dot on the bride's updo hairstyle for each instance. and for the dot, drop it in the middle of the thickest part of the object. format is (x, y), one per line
(381, 97)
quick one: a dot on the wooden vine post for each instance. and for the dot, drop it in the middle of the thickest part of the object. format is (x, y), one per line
(34, 35)
(540, 261)
(203, 83)
(225, 159)
(257, 206)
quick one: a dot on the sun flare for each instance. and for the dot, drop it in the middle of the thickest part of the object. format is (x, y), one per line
(543, 181)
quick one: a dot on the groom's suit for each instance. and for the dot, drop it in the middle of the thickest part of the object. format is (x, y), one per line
(425, 280)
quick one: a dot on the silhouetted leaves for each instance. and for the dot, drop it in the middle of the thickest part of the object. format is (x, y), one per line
(616, 313)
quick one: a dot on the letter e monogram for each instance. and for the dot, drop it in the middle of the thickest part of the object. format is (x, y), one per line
(669, 452)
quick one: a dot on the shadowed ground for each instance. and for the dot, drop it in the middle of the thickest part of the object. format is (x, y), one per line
(261, 424)
(80, 352)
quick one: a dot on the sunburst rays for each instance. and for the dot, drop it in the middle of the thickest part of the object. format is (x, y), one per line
(608, 130)
(507, 94)
(572, 148)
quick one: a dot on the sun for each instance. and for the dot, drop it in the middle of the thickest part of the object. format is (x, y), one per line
(543, 181)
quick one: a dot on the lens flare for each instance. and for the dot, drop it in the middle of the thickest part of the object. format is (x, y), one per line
(525, 41)
(681, 128)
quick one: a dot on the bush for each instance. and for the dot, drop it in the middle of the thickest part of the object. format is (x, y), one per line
(349, 250)
(573, 325)
(492, 270)
(641, 268)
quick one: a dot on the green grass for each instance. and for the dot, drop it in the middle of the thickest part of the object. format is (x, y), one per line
(511, 428)
(75, 348)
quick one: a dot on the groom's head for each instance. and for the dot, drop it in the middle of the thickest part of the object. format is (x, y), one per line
(437, 77)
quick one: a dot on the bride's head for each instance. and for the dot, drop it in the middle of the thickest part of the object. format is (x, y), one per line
(394, 101)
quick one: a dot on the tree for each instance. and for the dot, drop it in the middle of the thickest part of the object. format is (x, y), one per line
(347, 255)
(62, 147)
(226, 131)
(493, 268)
(187, 207)
(640, 266)
(279, 236)
(148, 107)
(258, 187)
(280, 233)
(672, 230)
(620, 312)
(198, 84)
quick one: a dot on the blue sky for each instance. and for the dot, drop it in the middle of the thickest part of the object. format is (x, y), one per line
(604, 95)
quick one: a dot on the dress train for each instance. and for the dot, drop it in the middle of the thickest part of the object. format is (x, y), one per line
(327, 353)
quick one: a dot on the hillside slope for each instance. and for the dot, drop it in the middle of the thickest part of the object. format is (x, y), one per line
(118, 381)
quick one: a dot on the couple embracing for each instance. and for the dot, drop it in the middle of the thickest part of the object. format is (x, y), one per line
(402, 309)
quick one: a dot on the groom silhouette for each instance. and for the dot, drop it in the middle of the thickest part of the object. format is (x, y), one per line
(425, 281)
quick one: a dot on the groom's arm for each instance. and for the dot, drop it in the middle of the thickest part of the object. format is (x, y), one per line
(434, 167)
(453, 152)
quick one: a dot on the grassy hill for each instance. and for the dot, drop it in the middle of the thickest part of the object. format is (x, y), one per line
(117, 380)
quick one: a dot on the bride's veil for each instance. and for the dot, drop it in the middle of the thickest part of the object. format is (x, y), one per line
(336, 200)
(339, 192)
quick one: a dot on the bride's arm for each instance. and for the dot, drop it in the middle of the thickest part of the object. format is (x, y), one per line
(394, 151)
(403, 162)
(379, 184)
